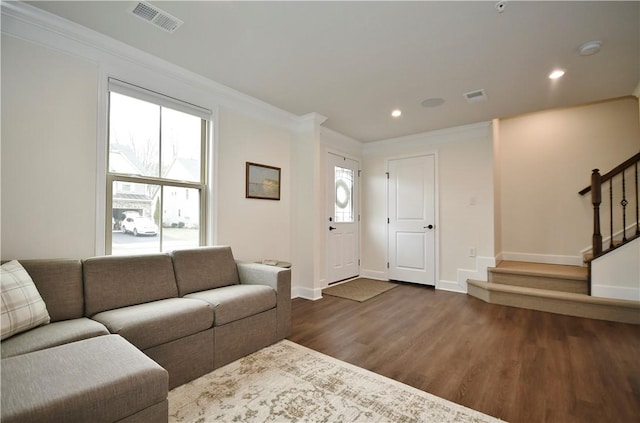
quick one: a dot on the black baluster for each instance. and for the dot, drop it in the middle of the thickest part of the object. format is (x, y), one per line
(611, 213)
(624, 203)
(637, 211)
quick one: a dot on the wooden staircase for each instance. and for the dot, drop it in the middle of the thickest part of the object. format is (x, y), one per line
(551, 288)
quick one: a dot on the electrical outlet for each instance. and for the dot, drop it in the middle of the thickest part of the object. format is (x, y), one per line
(472, 251)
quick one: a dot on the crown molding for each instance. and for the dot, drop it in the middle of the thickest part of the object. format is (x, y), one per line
(29, 23)
(457, 133)
(310, 122)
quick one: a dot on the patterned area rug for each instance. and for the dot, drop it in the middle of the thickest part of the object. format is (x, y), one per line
(287, 382)
(360, 289)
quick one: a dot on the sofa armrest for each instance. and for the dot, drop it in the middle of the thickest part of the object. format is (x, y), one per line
(277, 278)
(262, 274)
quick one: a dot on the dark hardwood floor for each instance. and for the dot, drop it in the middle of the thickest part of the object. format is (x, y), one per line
(515, 364)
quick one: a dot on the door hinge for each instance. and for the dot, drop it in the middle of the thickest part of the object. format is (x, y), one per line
(358, 262)
(358, 218)
(387, 175)
(359, 172)
(387, 265)
(388, 220)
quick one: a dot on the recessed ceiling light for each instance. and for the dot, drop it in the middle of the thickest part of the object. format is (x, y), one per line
(556, 74)
(396, 113)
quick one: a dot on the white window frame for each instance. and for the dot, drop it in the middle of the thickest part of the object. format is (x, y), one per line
(130, 90)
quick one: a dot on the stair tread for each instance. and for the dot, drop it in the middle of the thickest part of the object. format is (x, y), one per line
(585, 298)
(542, 269)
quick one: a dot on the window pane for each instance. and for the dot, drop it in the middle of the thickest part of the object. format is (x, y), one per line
(181, 218)
(135, 228)
(138, 227)
(181, 146)
(156, 163)
(343, 195)
(134, 136)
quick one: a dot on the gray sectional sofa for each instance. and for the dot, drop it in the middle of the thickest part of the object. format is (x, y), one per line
(125, 329)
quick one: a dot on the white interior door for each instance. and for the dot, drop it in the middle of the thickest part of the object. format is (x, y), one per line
(411, 208)
(342, 218)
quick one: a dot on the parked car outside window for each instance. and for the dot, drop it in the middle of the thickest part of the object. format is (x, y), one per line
(139, 226)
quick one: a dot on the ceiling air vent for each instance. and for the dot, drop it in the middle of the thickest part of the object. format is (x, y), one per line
(157, 17)
(475, 96)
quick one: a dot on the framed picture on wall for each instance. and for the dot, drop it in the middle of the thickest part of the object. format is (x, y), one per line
(263, 182)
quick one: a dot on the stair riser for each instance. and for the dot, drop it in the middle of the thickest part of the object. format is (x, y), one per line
(558, 306)
(540, 282)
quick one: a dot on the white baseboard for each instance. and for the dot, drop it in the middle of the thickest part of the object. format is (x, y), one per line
(542, 258)
(479, 273)
(617, 292)
(451, 286)
(312, 294)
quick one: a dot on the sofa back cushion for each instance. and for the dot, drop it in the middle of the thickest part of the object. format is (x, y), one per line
(59, 282)
(200, 269)
(112, 282)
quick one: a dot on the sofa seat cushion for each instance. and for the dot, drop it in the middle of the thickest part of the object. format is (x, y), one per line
(102, 379)
(52, 335)
(235, 302)
(150, 324)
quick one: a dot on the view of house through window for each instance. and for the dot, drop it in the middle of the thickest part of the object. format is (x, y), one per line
(156, 178)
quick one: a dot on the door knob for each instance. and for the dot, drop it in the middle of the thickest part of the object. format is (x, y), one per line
(429, 227)
(331, 228)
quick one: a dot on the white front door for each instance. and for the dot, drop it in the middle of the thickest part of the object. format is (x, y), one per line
(342, 218)
(411, 223)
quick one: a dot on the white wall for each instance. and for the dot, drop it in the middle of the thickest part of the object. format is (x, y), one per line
(546, 158)
(256, 229)
(341, 144)
(465, 203)
(617, 274)
(308, 271)
(48, 152)
(497, 194)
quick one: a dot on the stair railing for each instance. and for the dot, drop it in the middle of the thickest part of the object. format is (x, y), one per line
(625, 170)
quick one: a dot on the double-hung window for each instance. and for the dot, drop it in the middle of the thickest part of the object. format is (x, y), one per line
(156, 172)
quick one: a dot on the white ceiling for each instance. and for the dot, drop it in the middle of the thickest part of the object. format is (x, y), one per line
(354, 62)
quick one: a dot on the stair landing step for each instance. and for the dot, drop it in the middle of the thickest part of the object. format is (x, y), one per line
(567, 303)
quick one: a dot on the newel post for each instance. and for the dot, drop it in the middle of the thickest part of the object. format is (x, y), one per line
(596, 199)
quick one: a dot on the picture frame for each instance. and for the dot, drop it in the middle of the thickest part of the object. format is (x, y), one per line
(262, 181)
